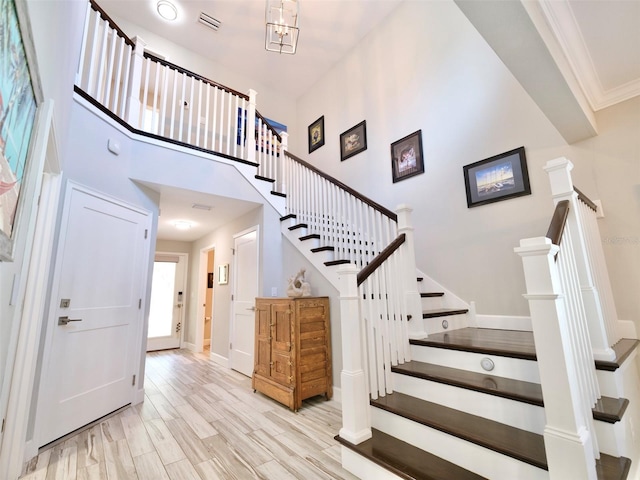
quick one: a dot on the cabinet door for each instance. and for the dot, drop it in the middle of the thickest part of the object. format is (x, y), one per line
(281, 343)
(262, 363)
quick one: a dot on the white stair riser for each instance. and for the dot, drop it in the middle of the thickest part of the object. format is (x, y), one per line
(526, 370)
(510, 412)
(432, 303)
(323, 256)
(455, 322)
(468, 455)
(363, 468)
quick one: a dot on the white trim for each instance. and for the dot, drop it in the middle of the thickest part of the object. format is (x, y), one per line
(504, 322)
(20, 374)
(220, 360)
(139, 397)
(627, 329)
(198, 345)
(189, 346)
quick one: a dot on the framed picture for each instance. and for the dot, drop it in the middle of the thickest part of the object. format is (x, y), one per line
(406, 157)
(316, 134)
(353, 141)
(223, 274)
(18, 106)
(497, 178)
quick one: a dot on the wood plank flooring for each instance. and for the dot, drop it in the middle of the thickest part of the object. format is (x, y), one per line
(200, 421)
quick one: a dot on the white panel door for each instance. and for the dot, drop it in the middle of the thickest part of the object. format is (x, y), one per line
(94, 333)
(245, 293)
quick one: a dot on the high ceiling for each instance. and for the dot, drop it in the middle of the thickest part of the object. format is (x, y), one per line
(594, 44)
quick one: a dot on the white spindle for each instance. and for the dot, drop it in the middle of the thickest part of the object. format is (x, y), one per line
(174, 101)
(110, 61)
(229, 122)
(192, 89)
(214, 124)
(83, 48)
(155, 121)
(183, 107)
(208, 89)
(91, 90)
(101, 62)
(118, 79)
(145, 92)
(163, 100)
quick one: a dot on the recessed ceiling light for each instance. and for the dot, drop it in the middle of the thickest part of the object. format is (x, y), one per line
(167, 10)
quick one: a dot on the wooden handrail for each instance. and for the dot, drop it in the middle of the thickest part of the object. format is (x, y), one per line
(380, 258)
(269, 126)
(110, 21)
(189, 73)
(358, 195)
(558, 221)
(584, 199)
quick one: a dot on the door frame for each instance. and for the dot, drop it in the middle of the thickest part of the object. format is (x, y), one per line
(198, 345)
(255, 228)
(183, 257)
(137, 395)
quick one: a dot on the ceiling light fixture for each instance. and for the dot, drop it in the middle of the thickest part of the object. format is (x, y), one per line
(201, 206)
(282, 18)
(182, 225)
(167, 10)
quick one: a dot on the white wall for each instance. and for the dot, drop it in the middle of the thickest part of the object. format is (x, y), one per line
(427, 68)
(270, 104)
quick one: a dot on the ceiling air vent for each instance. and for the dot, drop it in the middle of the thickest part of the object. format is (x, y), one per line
(209, 21)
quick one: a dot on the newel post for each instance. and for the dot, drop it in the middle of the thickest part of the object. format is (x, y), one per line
(251, 121)
(409, 276)
(356, 421)
(134, 106)
(567, 439)
(559, 171)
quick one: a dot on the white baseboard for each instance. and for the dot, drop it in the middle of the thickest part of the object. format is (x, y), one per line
(504, 322)
(30, 450)
(627, 329)
(220, 360)
(189, 346)
(337, 394)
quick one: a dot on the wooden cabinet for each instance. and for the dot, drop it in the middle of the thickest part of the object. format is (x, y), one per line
(293, 349)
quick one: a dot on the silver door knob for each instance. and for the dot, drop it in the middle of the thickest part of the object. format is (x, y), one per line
(253, 309)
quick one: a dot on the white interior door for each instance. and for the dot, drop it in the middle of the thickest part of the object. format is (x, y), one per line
(94, 329)
(166, 314)
(245, 292)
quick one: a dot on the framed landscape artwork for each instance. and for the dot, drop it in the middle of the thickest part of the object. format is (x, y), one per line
(17, 116)
(497, 178)
(316, 134)
(353, 141)
(406, 157)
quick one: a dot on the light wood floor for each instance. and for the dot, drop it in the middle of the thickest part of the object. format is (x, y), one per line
(200, 421)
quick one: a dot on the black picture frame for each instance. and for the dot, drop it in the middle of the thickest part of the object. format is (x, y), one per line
(315, 133)
(407, 159)
(497, 178)
(353, 141)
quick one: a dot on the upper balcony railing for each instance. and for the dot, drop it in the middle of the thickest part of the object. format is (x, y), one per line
(160, 98)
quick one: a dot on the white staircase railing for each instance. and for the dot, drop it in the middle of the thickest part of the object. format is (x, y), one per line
(574, 323)
(160, 98)
(593, 277)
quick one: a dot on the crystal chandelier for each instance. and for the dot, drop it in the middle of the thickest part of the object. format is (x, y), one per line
(282, 19)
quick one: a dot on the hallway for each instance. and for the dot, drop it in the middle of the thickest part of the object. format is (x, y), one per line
(200, 421)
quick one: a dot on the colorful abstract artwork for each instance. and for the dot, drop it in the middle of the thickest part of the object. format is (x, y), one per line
(17, 114)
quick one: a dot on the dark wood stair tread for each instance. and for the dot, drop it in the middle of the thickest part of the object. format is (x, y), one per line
(443, 312)
(266, 179)
(278, 194)
(288, 216)
(326, 248)
(506, 343)
(337, 262)
(514, 442)
(607, 409)
(431, 294)
(310, 236)
(298, 225)
(407, 461)
(623, 349)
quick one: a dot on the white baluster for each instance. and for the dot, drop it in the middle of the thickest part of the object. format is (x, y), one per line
(155, 121)
(206, 115)
(126, 80)
(182, 106)
(118, 79)
(133, 89)
(101, 62)
(146, 65)
(83, 48)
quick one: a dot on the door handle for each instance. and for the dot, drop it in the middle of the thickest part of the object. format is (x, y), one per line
(65, 320)
(253, 309)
